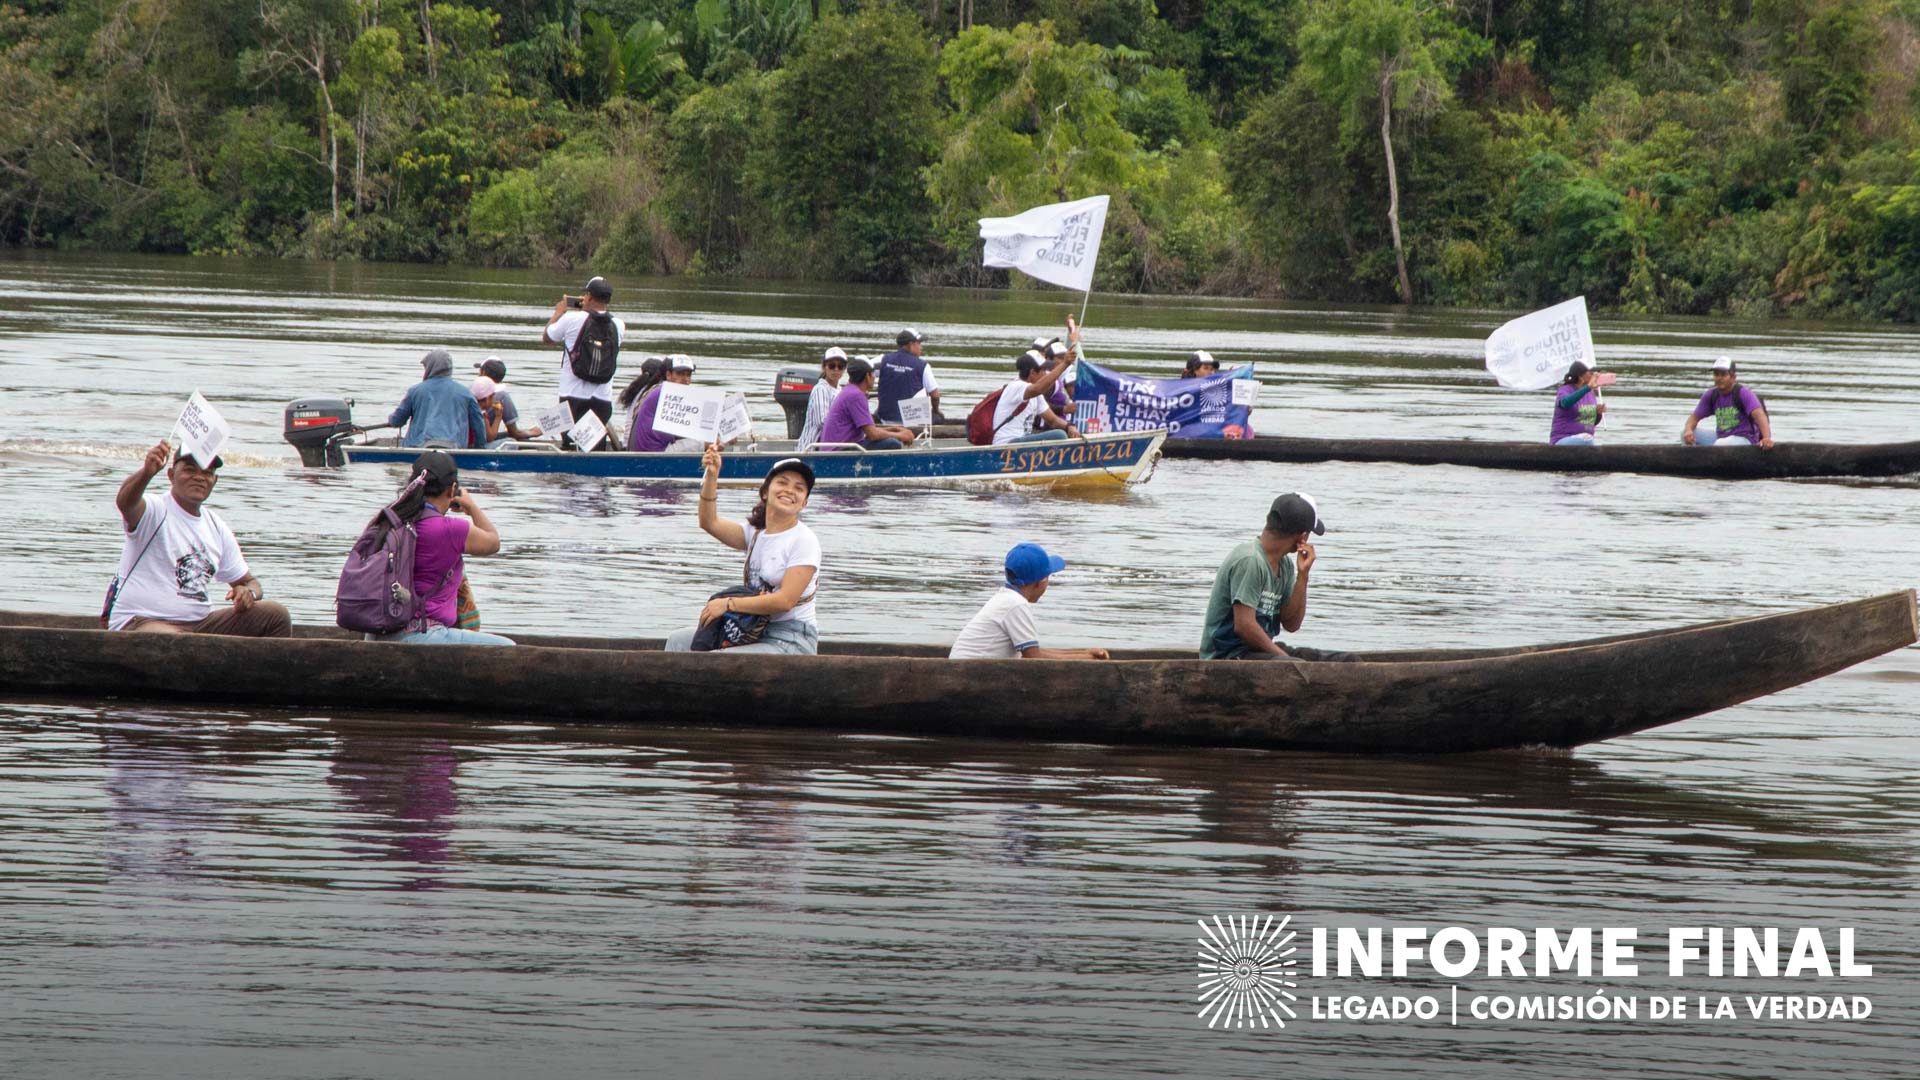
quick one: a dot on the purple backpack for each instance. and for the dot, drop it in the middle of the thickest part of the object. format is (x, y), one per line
(376, 593)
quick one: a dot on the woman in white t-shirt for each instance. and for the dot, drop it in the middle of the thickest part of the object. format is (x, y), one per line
(783, 559)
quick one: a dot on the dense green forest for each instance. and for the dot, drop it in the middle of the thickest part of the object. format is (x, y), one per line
(1693, 156)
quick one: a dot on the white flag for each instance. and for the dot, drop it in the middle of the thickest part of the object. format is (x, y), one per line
(690, 412)
(588, 432)
(1057, 243)
(916, 411)
(1534, 351)
(735, 420)
(203, 431)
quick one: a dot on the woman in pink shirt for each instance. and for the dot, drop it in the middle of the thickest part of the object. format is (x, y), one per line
(439, 552)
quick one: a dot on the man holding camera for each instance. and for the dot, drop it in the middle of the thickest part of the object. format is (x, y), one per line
(589, 340)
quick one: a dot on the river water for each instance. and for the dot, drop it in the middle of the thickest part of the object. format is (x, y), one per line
(217, 892)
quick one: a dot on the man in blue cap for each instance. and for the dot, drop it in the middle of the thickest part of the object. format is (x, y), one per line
(1003, 629)
(1258, 591)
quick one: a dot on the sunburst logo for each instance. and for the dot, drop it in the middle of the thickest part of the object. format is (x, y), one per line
(1246, 971)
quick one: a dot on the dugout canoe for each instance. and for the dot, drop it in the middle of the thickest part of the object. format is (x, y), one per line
(1785, 461)
(1432, 701)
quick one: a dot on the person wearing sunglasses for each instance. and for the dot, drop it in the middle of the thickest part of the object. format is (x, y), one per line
(833, 368)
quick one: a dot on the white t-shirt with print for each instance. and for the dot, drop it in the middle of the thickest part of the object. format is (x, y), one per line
(772, 557)
(172, 580)
(1001, 629)
(564, 330)
(1022, 410)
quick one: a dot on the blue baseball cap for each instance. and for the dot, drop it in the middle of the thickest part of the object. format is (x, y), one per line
(1028, 564)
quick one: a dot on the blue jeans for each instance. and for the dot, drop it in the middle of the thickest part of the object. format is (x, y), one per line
(1708, 436)
(888, 443)
(1585, 439)
(442, 635)
(788, 637)
(1042, 436)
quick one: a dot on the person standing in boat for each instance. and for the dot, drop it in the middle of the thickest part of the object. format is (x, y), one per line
(645, 389)
(1577, 408)
(442, 542)
(903, 374)
(1003, 628)
(833, 368)
(437, 409)
(1739, 416)
(588, 312)
(174, 547)
(849, 420)
(783, 560)
(1259, 591)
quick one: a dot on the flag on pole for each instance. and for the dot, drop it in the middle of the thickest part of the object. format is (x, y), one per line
(1534, 351)
(1057, 243)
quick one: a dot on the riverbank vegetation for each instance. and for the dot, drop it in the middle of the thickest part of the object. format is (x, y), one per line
(1755, 157)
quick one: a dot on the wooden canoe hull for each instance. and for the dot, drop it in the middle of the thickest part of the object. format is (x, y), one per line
(1558, 696)
(1783, 462)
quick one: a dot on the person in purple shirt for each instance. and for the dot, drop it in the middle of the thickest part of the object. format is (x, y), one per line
(850, 417)
(645, 388)
(1577, 409)
(433, 495)
(1739, 416)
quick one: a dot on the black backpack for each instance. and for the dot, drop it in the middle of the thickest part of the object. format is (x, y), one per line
(596, 350)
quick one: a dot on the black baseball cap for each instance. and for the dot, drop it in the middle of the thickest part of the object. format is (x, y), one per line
(908, 336)
(792, 464)
(599, 289)
(1027, 363)
(858, 369)
(1295, 512)
(438, 467)
(217, 461)
(493, 368)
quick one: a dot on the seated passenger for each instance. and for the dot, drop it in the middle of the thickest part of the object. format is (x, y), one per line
(1577, 409)
(1022, 413)
(1003, 628)
(833, 368)
(439, 410)
(677, 369)
(1739, 416)
(1257, 591)
(442, 542)
(173, 548)
(783, 560)
(850, 419)
(497, 409)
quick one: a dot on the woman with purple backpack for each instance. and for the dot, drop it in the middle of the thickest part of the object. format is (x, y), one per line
(432, 495)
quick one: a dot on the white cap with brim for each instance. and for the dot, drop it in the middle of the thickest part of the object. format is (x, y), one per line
(1723, 364)
(835, 353)
(680, 362)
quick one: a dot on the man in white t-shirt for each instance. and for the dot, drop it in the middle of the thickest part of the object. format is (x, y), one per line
(1003, 629)
(174, 548)
(571, 314)
(1022, 413)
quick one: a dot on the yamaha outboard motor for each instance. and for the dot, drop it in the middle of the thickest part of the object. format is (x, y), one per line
(312, 426)
(791, 388)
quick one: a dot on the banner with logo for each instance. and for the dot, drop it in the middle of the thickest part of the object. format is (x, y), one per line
(1534, 351)
(1217, 406)
(1057, 243)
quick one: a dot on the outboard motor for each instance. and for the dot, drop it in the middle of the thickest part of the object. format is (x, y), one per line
(312, 426)
(791, 388)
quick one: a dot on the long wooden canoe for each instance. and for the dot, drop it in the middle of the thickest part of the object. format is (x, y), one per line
(1434, 701)
(1783, 462)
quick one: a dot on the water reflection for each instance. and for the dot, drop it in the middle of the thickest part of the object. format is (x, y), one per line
(401, 791)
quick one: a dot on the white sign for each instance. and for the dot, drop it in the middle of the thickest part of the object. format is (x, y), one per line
(916, 411)
(690, 412)
(588, 432)
(202, 430)
(735, 420)
(1534, 351)
(556, 419)
(1246, 392)
(1057, 243)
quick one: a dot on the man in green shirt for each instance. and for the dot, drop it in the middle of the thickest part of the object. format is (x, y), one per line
(1258, 591)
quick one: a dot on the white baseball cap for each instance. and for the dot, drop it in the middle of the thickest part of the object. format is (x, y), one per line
(680, 362)
(835, 353)
(1723, 364)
